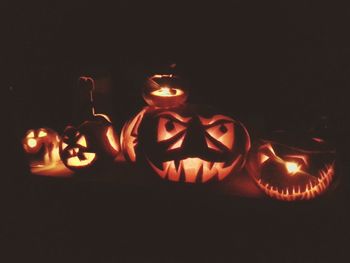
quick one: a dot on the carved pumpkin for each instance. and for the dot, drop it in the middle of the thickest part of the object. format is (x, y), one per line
(165, 91)
(292, 171)
(186, 143)
(41, 147)
(93, 142)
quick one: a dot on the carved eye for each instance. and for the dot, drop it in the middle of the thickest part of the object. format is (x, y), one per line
(42, 133)
(64, 145)
(30, 134)
(82, 141)
(167, 129)
(223, 133)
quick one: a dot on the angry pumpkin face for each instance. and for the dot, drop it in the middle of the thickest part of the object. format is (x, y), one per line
(189, 143)
(91, 143)
(289, 173)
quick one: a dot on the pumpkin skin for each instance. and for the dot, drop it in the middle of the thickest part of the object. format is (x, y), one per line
(188, 143)
(292, 167)
(41, 147)
(90, 145)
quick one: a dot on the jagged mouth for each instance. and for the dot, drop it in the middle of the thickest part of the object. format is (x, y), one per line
(304, 192)
(85, 159)
(191, 170)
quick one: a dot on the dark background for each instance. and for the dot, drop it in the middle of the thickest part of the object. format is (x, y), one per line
(269, 64)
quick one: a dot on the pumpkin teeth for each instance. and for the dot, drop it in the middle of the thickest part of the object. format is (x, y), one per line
(309, 191)
(192, 170)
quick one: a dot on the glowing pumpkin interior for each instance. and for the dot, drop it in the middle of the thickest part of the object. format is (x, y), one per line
(41, 147)
(93, 140)
(291, 173)
(164, 91)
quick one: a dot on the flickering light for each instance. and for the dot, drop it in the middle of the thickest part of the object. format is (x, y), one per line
(292, 167)
(31, 143)
(167, 92)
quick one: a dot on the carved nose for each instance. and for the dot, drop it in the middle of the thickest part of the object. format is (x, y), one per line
(194, 144)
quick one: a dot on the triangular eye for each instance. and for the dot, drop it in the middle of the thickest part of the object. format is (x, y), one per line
(30, 134)
(211, 145)
(263, 158)
(168, 129)
(82, 141)
(177, 144)
(64, 145)
(42, 134)
(222, 132)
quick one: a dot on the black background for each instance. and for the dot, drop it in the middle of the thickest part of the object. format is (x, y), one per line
(269, 64)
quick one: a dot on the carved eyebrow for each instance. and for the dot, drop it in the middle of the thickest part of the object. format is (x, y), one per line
(215, 119)
(174, 116)
(302, 157)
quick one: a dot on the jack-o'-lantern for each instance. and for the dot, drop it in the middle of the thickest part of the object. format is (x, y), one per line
(187, 143)
(291, 167)
(93, 142)
(167, 90)
(41, 147)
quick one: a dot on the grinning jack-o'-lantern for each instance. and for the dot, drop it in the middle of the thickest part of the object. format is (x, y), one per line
(41, 147)
(289, 171)
(94, 141)
(188, 143)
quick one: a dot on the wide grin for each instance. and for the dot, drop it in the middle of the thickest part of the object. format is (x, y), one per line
(307, 191)
(192, 170)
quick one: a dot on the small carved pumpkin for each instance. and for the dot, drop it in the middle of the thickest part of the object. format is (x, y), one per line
(89, 145)
(186, 143)
(41, 146)
(292, 167)
(165, 91)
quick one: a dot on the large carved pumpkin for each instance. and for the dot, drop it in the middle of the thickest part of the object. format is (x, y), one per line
(292, 167)
(41, 147)
(186, 143)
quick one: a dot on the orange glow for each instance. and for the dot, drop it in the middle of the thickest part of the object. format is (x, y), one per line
(111, 138)
(101, 115)
(177, 144)
(301, 157)
(42, 149)
(76, 162)
(167, 92)
(42, 134)
(263, 158)
(215, 118)
(30, 134)
(212, 145)
(223, 133)
(310, 191)
(82, 141)
(292, 167)
(174, 115)
(64, 145)
(32, 143)
(318, 139)
(165, 132)
(128, 136)
(193, 169)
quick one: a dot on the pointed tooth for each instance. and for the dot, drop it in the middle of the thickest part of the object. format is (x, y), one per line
(177, 164)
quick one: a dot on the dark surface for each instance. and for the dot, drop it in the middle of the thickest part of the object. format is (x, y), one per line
(270, 65)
